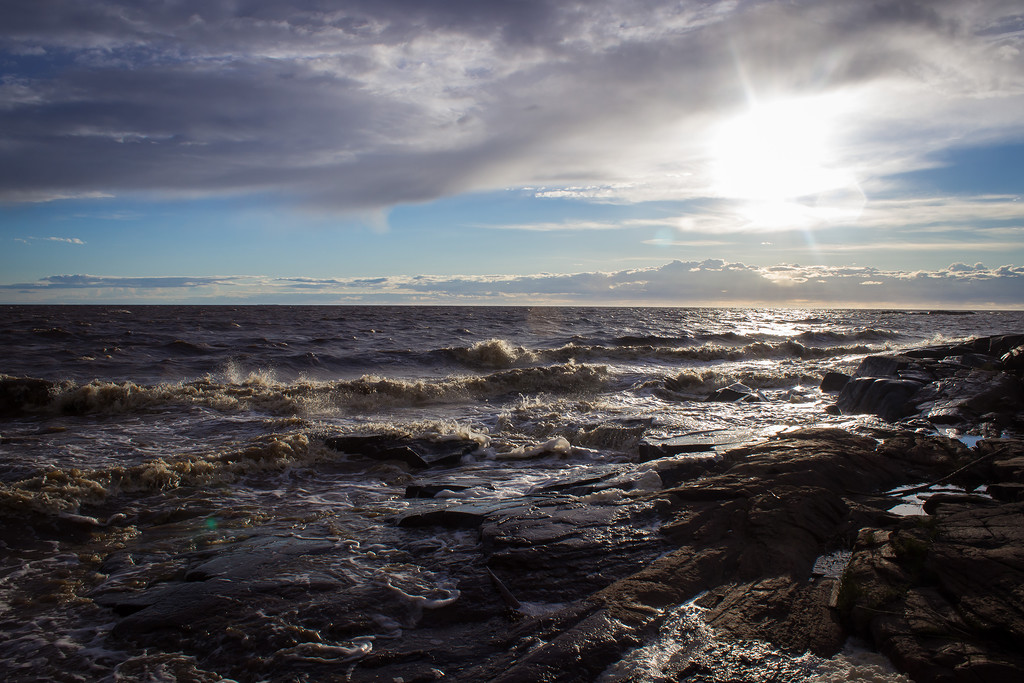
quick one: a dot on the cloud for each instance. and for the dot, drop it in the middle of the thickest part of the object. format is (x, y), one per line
(681, 283)
(66, 240)
(369, 104)
(562, 226)
(93, 282)
(942, 212)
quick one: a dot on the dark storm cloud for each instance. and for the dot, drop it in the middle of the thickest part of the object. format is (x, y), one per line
(368, 104)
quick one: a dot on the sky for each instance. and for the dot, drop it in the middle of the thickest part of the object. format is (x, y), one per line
(609, 152)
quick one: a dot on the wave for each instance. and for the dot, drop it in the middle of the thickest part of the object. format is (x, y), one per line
(375, 393)
(493, 353)
(651, 340)
(262, 393)
(62, 492)
(499, 353)
(832, 337)
(612, 435)
(699, 385)
(726, 338)
(703, 353)
(52, 332)
(180, 346)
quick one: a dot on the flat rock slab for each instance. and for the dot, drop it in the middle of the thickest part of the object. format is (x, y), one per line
(416, 453)
(653, 450)
(456, 514)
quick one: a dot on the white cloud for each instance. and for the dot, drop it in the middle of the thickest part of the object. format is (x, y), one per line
(65, 240)
(709, 282)
(550, 226)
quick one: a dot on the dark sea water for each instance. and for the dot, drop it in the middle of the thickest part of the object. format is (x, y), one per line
(171, 428)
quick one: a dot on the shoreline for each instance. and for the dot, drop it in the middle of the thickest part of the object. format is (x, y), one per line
(771, 555)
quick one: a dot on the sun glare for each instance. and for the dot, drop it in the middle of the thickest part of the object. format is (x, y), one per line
(776, 153)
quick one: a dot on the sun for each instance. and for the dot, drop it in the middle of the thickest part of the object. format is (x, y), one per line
(776, 152)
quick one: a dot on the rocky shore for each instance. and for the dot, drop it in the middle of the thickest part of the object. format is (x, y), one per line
(699, 565)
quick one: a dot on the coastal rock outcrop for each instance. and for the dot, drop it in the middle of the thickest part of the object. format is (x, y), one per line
(976, 383)
(565, 583)
(940, 595)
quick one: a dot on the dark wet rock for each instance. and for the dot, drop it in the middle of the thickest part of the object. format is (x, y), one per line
(940, 596)
(558, 585)
(967, 396)
(993, 346)
(430, 490)
(416, 453)
(676, 470)
(882, 366)
(925, 453)
(21, 394)
(554, 552)
(467, 515)
(1013, 360)
(833, 381)
(750, 534)
(937, 500)
(205, 590)
(575, 486)
(736, 392)
(795, 616)
(574, 644)
(890, 399)
(653, 450)
(970, 383)
(1006, 491)
(976, 361)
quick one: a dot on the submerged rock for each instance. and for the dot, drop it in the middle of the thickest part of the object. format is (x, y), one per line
(416, 453)
(736, 392)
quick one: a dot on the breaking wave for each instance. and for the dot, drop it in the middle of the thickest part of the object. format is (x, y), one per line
(60, 492)
(260, 392)
(703, 383)
(499, 353)
(832, 337)
(493, 353)
(703, 353)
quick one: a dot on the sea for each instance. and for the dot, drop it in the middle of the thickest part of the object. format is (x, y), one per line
(167, 428)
